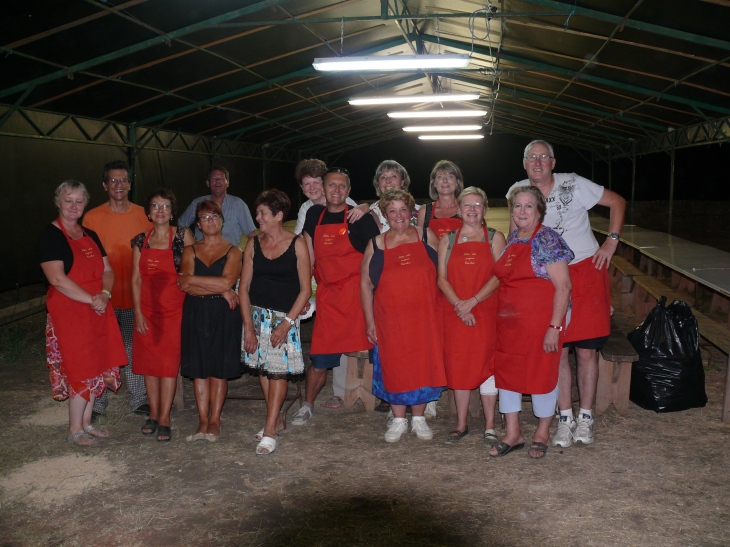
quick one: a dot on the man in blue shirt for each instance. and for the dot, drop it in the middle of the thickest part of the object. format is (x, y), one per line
(237, 217)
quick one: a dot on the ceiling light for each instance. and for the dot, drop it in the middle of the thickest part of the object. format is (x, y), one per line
(438, 114)
(449, 137)
(442, 128)
(392, 62)
(408, 99)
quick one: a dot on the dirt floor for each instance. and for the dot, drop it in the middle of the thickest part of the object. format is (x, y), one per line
(649, 479)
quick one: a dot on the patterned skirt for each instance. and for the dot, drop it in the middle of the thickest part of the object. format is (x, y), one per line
(61, 388)
(275, 363)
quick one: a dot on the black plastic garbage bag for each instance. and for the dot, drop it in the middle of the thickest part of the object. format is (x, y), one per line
(668, 377)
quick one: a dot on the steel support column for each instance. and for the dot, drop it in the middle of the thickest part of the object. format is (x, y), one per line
(671, 191)
(633, 180)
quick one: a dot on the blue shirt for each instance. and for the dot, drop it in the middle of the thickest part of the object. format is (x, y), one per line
(236, 219)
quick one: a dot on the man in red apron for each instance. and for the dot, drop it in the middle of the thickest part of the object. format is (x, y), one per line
(336, 248)
(569, 197)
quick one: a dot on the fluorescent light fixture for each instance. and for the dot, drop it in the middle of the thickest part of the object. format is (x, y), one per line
(449, 137)
(409, 99)
(392, 62)
(438, 114)
(442, 128)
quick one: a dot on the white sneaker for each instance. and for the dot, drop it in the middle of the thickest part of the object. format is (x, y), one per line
(564, 435)
(430, 411)
(391, 417)
(396, 429)
(584, 430)
(420, 428)
(302, 415)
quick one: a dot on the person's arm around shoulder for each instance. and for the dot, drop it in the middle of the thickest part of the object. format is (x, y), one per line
(617, 208)
(250, 341)
(366, 293)
(188, 238)
(281, 332)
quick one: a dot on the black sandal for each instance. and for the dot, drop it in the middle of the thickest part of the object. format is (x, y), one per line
(455, 436)
(503, 449)
(149, 427)
(164, 431)
(540, 448)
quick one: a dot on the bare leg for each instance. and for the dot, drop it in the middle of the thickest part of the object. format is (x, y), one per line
(76, 415)
(513, 435)
(399, 411)
(202, 400)
(152, 385)
(266, 387)
(461, 397)
(316, 378)
(167, 394)
(277, 392)
(565, 382)
(587, 361)
(488, 404)
(542, 435)
(218, 392)
(416, 410)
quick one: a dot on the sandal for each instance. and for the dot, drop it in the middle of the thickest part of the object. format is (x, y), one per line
(266, 446)
(162, 432)
(455, 436)
(196, 437)
(81, 435)
(540, 448)
(490, 438)
(503, 449)
(149, 427)
(334, 403)
(260, 435)
(94, 431)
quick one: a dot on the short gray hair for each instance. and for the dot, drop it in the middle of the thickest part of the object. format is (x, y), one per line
(391, 165)
(529, 189)
(69, 187)
(544, 143)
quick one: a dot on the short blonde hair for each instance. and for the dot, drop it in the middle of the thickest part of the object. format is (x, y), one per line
(396, 195)
(447, 167)
(69, 187)
(541, 205)
(473, 190)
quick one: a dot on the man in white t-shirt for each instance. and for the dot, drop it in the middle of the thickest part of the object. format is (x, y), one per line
(569, 197)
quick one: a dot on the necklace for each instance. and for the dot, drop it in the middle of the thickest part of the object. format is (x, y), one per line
(464, 238)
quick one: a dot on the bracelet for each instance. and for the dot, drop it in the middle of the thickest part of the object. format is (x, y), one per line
(106, 293)
(475, 298)
(557, 328)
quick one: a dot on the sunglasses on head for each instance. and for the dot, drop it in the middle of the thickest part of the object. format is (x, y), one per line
(337, 170)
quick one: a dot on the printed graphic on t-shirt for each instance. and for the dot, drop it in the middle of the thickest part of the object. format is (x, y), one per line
(560, 199)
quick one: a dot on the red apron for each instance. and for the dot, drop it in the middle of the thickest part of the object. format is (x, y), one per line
(524, 313)
(443, 225)
(590, 315)
(410, 342)
(339, 324)
(158, 352)
(469, 351)
(90, 344)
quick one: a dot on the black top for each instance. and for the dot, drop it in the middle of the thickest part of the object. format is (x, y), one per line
(377, 261)
(178, 245)
(360, 232)
(429, 212)
(275, 283)
(53, 245)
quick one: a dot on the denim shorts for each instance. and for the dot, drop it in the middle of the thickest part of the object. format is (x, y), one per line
(325, 360)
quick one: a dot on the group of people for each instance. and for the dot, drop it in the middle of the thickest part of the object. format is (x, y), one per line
(439, 299)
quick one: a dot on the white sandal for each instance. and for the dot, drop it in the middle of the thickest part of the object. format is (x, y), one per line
(260, 435)
(267, 444)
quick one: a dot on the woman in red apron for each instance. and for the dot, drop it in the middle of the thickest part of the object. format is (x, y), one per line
(158, 304)
(445, 186)
(534, 292)
(399, 268)
(466, 261)
(84, 347)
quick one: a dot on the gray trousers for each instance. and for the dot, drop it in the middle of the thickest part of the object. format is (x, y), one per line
(135, 382)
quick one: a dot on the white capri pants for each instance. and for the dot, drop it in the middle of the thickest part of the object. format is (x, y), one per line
(488, 387)
(543, 405)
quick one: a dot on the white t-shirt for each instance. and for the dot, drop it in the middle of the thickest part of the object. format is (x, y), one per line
(567, 211)
(303, 213)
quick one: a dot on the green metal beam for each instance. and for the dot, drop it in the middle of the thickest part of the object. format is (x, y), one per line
(350, 137)
(328, 129)
(632, 23)
(17, 103)
(553, 136)
(574, 73)
(59, 74)
(355, 146)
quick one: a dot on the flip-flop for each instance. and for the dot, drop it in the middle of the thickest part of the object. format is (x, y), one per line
(334, 403)
(503, 449)
(164, 431)
(260, 435)
(71, 439)
(196, 437)
(151, 426)
(490, 438)
(540, 448)
(267, 443)
(455, 436)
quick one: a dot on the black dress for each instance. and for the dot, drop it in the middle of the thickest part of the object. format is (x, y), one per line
(211, 332)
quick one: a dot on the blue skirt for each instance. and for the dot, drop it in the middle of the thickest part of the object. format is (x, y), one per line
(415, 397)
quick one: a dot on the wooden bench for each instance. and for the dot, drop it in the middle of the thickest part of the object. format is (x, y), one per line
(359, 381)
(622, 273)
(650, 290)
(22, 309)
(614, 373)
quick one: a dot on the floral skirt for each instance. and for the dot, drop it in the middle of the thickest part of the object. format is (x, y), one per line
(63, 389)
(275, 363)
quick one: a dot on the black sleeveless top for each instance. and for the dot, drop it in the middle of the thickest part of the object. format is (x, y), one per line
(275, 283)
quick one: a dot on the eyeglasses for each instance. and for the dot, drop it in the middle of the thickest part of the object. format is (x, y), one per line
(118, 181)
(471, 205)
(214, 216)
(158, 206)
(337, 170)
(542, 157)
(217, 179)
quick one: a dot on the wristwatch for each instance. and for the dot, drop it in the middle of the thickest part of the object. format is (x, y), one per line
(614, 236)
(289, 320)
(106, 293)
